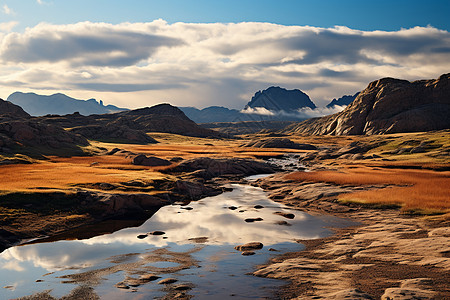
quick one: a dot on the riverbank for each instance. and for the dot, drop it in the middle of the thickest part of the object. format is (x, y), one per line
(391, 255)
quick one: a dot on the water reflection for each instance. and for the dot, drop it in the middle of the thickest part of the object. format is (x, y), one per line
(219, 227)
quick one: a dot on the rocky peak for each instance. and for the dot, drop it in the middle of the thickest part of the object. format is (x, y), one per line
(280, 99)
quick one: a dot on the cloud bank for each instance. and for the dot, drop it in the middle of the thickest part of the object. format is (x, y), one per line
(137, 64)
(302, 113)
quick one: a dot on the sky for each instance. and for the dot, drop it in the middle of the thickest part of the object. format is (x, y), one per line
(200, 53)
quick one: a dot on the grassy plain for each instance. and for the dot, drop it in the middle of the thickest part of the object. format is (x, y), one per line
(417, 182)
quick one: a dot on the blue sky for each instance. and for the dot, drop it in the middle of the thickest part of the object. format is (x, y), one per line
(356, 14)
(198, 53)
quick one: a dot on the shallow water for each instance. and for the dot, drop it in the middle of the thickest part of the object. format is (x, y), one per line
(209, 263)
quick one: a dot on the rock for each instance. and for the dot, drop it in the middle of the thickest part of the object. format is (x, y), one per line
(121, 285)
(195, 189)
(151, 161)
(168, 281)
(176, 159)
(354, 294)
(282, 223)
(284, 214)
(411, 289)
(148, 277)
(251, 220)
(133, 282)
(387, 106)
(208, 168)
(258, 206)
(248, 253)
(182, 287)
(232, 208)
(157, 232)
(187, 208)
(249, 246)
(142, 236)
(111, 204)
(279, 143)
(199, 240)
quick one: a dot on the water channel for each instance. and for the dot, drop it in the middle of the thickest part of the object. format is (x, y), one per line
(197, 248)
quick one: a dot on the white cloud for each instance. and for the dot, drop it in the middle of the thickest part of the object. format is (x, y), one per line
(302, 113)
(258, 111)
(8, 26)
(7, 10)
(212, 64)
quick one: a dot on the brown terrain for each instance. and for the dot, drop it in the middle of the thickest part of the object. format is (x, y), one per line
(383, 161)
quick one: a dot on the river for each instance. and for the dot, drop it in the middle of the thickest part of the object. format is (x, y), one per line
(195, 246)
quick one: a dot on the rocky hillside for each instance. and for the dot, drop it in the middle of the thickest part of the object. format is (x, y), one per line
(22, 134)
(59, 104)
(388, 105)
(131, 126)
(280, 99)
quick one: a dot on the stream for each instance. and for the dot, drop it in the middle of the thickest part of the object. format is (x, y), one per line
(195, 246)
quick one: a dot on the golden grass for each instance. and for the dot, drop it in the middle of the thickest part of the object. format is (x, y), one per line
(64, 173)
(424, 190)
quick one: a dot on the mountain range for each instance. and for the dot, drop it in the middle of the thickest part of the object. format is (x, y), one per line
(271, 104)
(59, 104)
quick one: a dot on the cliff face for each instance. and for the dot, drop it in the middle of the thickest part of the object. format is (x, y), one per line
(388, 106)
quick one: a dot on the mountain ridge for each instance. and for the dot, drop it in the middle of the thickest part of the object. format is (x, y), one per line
(59, 104)
(388, 105)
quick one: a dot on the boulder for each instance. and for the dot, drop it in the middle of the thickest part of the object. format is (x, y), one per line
(208, 168)
(149, 161)
(279, 143)
(249, 246)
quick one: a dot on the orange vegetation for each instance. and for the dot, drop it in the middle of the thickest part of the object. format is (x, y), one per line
(424, 190)
(63, 173)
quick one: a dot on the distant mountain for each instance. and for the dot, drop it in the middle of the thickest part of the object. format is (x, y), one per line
(343, 101)
(388, 105)
(279, 99)
(59, 104)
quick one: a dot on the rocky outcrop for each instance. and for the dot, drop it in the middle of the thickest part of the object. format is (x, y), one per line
(34, 138)
(279, 143)
(150, 161)
(388, 106)
(208, 168)
(280, 99)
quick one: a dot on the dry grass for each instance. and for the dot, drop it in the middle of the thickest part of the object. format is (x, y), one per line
(421, 190)
(64, 173)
